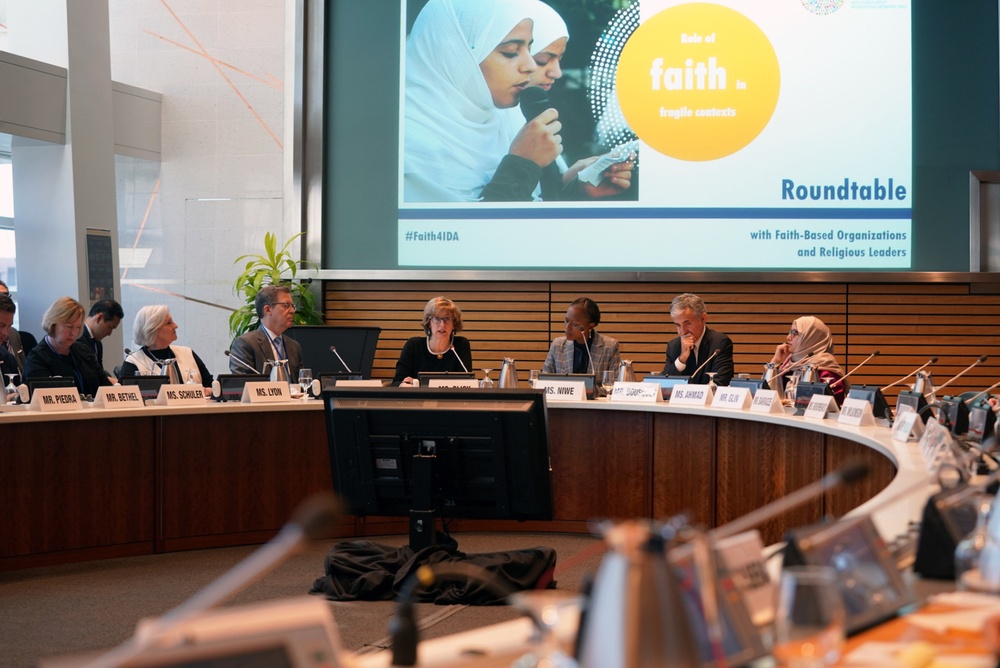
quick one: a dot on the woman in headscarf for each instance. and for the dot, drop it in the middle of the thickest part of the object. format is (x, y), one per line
(467, 62)
(809, 343)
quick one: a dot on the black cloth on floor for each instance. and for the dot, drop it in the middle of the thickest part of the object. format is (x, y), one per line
(365, 571)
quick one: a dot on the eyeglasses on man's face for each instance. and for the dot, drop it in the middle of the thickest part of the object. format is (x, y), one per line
(288, 306)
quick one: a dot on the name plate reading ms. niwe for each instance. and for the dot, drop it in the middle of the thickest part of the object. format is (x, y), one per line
(562, 390)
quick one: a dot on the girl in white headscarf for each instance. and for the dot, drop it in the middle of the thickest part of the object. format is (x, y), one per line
(466, 63)
(809, 342)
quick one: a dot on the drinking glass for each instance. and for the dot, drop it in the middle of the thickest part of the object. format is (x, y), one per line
(305, 380)
(809, 621)
(711, 380)
(11, 388)
(544, 607)
(791, 382)
(608, 378)
(486, 383)
(190, 379)
(532, 377)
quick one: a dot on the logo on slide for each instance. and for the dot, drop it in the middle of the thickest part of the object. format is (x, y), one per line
(822, 7)
(698, 81)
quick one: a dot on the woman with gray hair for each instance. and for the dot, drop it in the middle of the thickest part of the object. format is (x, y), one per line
(61, 354)
(155, 331)
(439, 349)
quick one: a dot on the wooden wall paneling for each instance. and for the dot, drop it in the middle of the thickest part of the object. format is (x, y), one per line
(759, 463)
(684, 465)
(839, 452)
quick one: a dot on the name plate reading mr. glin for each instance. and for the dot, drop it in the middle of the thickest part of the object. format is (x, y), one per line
(732, 398)
(266, 393)
(180, 395)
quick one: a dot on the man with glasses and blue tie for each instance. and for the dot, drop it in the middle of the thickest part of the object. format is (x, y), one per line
(256, 349)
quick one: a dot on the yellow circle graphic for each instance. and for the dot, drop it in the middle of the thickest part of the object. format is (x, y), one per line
(698, 81)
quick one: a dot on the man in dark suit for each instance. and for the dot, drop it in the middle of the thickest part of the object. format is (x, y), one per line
(9, 362)
(12, 341)
(692, 350)
(104, 318)
(276, 312)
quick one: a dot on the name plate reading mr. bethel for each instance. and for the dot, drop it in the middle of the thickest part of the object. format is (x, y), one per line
(562, 390)
(180, 395)
(56, 399)
(691, 395)
(118, 396)
(266, 393)
(648, 393)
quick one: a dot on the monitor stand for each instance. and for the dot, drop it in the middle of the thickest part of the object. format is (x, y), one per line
(423, 515)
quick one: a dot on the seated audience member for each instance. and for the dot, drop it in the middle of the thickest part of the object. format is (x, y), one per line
(104, 317)
(583, 349)
(809, 343)
(155, 331)
(691, 351)
(439, 349)
(9, 363)
(60, 353)
(14, 343)
(260, 347)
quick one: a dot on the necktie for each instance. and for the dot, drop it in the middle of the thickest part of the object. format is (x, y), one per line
(279, 348)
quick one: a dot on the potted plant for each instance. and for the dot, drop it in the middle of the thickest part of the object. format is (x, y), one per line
(274, 267)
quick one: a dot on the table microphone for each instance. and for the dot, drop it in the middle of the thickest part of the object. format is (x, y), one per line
(586, 344)
(850, 473)
(844, 377)
(315, 518)
(243, 364)
(695, 373)
(915, 371)
(962, 373)
(333, 349)
(979, 396)
(458, 357)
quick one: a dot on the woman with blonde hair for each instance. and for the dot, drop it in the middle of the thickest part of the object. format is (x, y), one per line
(439, 350)
(60, 353)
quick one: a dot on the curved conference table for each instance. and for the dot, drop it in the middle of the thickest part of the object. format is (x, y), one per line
(95, 484)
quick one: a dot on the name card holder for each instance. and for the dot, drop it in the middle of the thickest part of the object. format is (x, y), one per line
(452, 382)
(742, 557)
(53, 399)
(767, 401)
(822, 405)
(692, 395)
(935, 445)
(118, 396)
(644, 393)
(732, 398)
(180, 395)
(562, 390)
(907, 427)
(266, 393)
(370, 382)
(856, 412)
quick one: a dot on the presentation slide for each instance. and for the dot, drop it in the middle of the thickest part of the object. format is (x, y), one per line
(735, 134)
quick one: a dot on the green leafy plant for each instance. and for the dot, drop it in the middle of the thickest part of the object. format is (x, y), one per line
(274, 267)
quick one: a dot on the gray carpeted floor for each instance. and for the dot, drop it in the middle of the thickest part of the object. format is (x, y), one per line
(95, 605)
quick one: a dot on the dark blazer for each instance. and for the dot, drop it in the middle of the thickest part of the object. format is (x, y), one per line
(17, 347)
(721, 364)
(43, 362)
(96, 346)
(254, 348)
(415, 358)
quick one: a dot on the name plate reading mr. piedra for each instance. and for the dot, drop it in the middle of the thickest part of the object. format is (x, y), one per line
(691, 395)
(636, 392)
(56, 399)
(180, 395)
(266, 393)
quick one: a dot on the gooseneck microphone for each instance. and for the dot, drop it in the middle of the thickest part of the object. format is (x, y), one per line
(586, 344)
(962, 373)
(243, 364)
(459, 358)
(849, 474)
(333, 349)
(316, 518)
(974, 399)
(696, 371)
(844, 377)
(932, 360)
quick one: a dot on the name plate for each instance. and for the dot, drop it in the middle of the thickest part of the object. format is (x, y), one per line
(766, 401)
(907, 427)
(821, 405)
(370, 382)
(935, 445)
(180, 395)
(266, 393)
(732, 398)
(452, 382)
(691, 395)
(646, 393)
(118, 396)
(562, 390)
(857, 412)
(742, 557)
(52, 399)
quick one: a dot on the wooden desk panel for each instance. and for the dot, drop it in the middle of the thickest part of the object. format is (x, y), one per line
(684, 467)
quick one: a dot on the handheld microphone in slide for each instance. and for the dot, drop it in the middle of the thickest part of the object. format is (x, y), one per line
(459, 358)
(962, 373)
(315, 518)
(533, 101)
(932, 360)
(696, 371)
(844, 377)
(333, 349)
(243, 364)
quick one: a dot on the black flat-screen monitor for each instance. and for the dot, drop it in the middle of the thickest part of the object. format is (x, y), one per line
(752, 384)
(149, 386)
(230, 385)
(954, 414)
(355, 345)
(873, 395)
(666, 383)
(49, 381)
(450, 452)
(804, 392)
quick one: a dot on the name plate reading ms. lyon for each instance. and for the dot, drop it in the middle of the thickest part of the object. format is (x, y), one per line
(266, 393)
